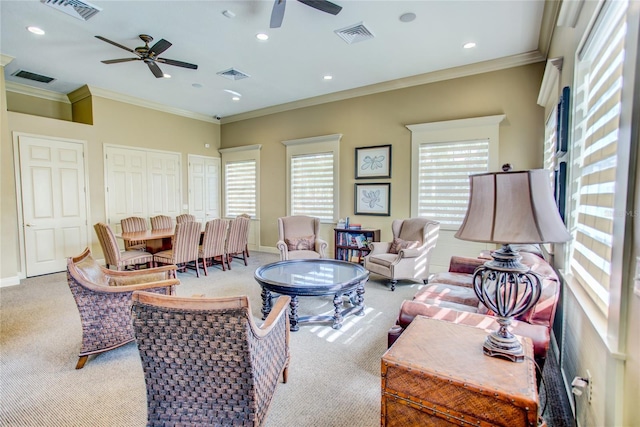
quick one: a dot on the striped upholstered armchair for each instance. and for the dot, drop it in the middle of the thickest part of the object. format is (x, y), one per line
(103, 298)
(230, 380)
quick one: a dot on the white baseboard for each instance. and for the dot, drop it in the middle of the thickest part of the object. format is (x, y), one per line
(268, 249)
(9, 281)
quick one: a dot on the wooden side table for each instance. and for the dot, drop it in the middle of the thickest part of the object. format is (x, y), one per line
(436, 374)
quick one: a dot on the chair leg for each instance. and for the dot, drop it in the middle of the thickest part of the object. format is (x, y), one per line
(393, 285)
(81, 361)
(285, 374)
(204, 266)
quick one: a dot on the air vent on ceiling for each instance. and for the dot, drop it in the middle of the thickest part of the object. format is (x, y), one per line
(354, 33)
(78, 9)
(33, 76)
(233, 74)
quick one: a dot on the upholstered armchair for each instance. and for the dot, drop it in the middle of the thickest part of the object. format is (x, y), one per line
(103, 298)
(299, 238)
(206, 362)
(408, 255)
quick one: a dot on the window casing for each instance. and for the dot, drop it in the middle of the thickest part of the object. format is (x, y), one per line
(313, 177)
(595, 153)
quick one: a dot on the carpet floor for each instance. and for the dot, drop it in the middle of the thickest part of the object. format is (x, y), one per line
(334, 375)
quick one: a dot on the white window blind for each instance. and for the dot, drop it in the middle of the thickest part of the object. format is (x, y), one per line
(312, 185)
(595, 136)
(443, 178)
(240, 188)
(550, 136)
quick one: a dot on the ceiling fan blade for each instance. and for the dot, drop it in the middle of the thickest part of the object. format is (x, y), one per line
(177, 63)
(323, 5)
(155, 69)
(277, 14)
(115, 61)
(116, 44)
(159, 47)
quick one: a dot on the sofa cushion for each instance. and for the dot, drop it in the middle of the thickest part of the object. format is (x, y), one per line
(457, 279)
(399, 244)
(436, 293)
(91, 271)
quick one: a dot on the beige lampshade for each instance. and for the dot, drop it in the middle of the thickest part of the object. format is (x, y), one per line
(512, 207)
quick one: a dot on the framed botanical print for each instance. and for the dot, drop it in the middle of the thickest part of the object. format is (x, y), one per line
(373, 162)
(373, 199)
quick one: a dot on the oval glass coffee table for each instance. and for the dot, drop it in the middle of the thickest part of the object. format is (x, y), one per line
(314, 277)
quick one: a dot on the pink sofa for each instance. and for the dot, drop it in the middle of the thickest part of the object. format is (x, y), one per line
(450, 296)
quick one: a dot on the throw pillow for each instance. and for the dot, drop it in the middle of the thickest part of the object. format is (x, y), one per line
(306, 243)
(398, 244)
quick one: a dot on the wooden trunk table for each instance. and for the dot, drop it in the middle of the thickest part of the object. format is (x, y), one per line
(436, 374)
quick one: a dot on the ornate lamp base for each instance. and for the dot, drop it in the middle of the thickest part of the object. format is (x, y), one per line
(499, 345)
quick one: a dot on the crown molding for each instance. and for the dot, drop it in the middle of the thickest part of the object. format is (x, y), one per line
(115, 96)
(421, 79)
(5, 60)
(569, 13)
(550, 80)
(36, 92)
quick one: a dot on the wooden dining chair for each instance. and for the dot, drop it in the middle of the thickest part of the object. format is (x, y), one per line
(113, 256)
(213, 240)
(185, 247)
(237, 239)
(131, 225)
(161, 222)
(185, 218)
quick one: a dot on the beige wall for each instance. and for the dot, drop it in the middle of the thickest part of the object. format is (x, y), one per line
(114, 123)
(20, 103)
(381, 119)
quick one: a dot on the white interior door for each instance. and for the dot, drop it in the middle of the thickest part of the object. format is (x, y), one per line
(126, 186)
(54, 202)
(164, 183)
(204, 187)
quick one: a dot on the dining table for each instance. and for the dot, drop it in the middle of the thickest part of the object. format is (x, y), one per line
(157, 240)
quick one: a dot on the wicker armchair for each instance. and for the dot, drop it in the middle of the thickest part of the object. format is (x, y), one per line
(103, 298)
(130, 225)
(185, 218)
(206, 362)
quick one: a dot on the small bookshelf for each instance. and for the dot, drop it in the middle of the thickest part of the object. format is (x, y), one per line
(352, 244)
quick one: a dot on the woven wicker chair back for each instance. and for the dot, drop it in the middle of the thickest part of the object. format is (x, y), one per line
(131, 225)
(214, 238)
(185, 218)
(238, 236)
(161, 222)
(228, 381)
(186, 241)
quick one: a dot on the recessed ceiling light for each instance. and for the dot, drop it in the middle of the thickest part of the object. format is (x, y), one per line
(262, 36)
(407, 17)
(469, 45)
(327, 77)
(235, 98)
(166, 76)
(197, 85)
(36, 30)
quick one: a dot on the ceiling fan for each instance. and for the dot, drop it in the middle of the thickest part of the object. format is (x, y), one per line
(148, 54)
(322, 5)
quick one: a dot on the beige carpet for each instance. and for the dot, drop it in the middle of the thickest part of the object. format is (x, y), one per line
(334, 376)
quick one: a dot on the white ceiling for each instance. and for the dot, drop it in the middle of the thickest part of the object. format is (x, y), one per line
(288, 67)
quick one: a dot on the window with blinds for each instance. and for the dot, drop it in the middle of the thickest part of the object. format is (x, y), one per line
(443, 178)
(312, 185)
(597, 106)
(240, 188)
(550, 135)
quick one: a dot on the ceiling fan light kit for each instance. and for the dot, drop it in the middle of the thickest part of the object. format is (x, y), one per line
(149, 55)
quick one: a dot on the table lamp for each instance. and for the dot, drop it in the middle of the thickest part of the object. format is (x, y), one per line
(510, 208)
